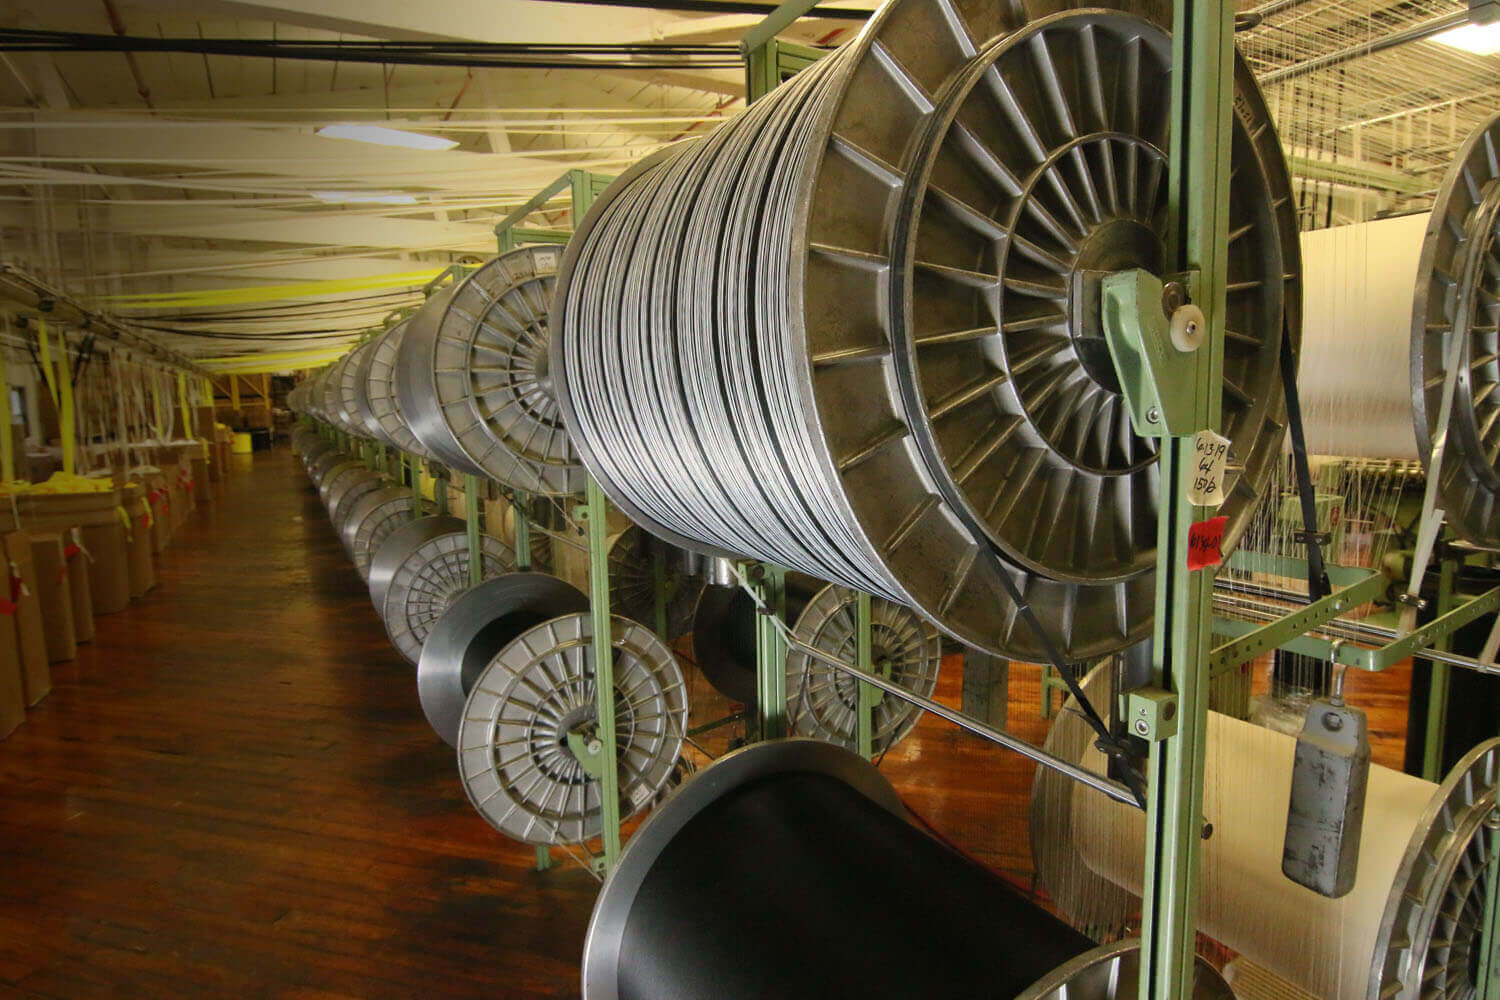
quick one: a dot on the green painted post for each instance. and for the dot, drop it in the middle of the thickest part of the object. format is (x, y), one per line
(440, 490)
(1437, 687)
(864, 719)
(1198, 195)
(413, 466)
(770, 650)
(471, 529)
(1487, 982)
(604, 670)
(519, 502)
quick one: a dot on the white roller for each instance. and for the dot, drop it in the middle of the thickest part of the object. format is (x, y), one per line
(1355, 375)
(1410, 919)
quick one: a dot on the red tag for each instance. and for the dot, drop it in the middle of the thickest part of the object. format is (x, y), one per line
(145, 521)
(1204, 539)
(7, 607)
(71, 551)
(15, 587)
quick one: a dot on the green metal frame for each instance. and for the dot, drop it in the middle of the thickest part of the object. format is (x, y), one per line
(583, 186)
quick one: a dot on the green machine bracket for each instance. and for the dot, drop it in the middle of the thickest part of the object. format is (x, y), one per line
(594, 512)
(1487, 982)
(768, 584)
(519, 502)
(583, 186)
(869, 695)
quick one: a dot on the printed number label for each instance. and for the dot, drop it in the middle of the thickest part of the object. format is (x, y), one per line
(1206, 472)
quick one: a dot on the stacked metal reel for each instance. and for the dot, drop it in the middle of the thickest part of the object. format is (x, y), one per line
(474, 381)
(850, 332)
(505, 668)
(822, 702)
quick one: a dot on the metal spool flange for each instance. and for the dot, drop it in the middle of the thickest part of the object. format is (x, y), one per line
(823, 702)
(1023, 421)
(348, 470)
(380, 392)
(330, 399)
(1458, 294)
(314, 451)
(482, 371)
(759, 410)
(326, 461)
(398, 544)
(632, 580)
(724, 634)
(1430, 932)
(476, 626)
(767, 832)
(353, 378)
(514, 755)
(430, 579)
(371, 519)
(415, 384)
(347, 493)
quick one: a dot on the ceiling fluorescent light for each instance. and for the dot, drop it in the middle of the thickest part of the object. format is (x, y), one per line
(1480, 39)
(382, 136)
(365, 198)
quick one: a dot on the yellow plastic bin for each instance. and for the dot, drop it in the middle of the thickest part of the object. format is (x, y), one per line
(242, 443)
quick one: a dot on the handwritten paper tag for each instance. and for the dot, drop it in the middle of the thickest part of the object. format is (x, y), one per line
(1206, 474)
(1205, 542)
(546, 260)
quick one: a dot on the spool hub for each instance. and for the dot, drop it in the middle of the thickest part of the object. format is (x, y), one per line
(515, 756)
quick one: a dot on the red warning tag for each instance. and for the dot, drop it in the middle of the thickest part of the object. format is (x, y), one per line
(1204, 541)
(71, 550)
(7, 607)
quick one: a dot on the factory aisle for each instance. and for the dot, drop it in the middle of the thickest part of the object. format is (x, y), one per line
(232, 793)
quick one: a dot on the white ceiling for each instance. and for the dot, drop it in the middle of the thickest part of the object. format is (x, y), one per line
(192, 174)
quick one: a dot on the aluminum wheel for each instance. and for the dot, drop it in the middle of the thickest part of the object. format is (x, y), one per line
(1458, 293)
(477, 626)
(380, 392)
(371, 519)
(398, 545)
(513, 747)
(822, 702)
(632, 581)
(477, 377)
(423, 586)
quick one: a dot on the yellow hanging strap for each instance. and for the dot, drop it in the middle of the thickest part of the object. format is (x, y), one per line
(182, 398)
(65, 407)
(7, 445)
(46, 353)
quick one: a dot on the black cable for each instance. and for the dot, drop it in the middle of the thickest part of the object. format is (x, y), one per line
(728, 7)
(520, 55)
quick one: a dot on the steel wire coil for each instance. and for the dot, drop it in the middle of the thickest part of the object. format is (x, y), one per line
(748, 366)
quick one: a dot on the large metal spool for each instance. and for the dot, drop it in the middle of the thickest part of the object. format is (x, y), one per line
(477, 626)
(869, 357)
(372, 518)
(345, 472)
(324, 463)
(793, 837)
(431, 578)
(475, 381)
(1409, 926)
(516, 757)
(380, 392)
(398, 545)
(823, 702)
(633, 554)
(349, 490)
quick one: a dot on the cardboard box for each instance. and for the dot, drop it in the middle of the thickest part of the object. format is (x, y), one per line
(56, 595)
(12, 688)
(80, 589)
(109, 572)
(31, 639)
(142, 564)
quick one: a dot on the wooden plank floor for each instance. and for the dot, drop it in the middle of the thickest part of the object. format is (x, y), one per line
(232, 793)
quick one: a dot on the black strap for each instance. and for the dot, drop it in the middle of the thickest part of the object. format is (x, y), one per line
(1317, 574)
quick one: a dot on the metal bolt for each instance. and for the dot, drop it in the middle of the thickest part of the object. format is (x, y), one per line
(1142, 727)
(1173, 297)
(1153, 416)
(1208, 830)
(1492, 821)
(1333, 721)
(595, 745)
